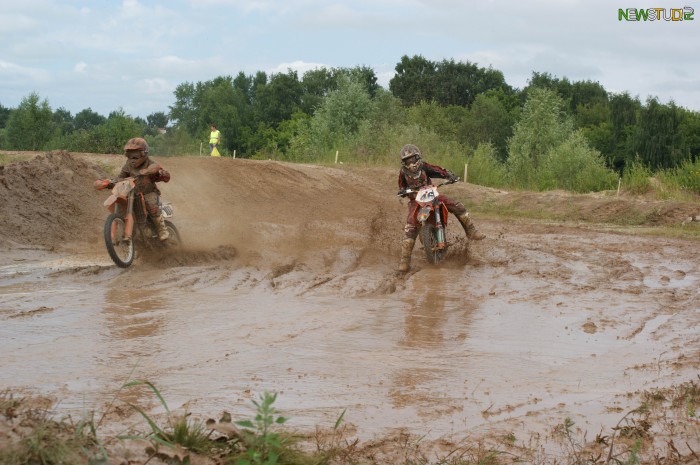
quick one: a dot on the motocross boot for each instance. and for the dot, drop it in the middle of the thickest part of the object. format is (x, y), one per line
(406, 249)
(163, 233)
(469, 228)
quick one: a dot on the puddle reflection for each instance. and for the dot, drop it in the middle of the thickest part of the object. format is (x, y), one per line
(425, 314)
(134, 320)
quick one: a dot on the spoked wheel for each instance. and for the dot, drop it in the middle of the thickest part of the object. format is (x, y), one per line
(428, 237)
(121, 249)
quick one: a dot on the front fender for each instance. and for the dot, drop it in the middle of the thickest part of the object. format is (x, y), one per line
(424, 213)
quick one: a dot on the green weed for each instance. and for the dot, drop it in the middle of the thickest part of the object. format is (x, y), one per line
(264, 444)
(179, 432)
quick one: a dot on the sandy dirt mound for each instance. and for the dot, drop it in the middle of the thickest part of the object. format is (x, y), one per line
(47, 201)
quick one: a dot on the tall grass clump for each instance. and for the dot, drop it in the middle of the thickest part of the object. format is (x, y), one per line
(485, 168)
(179, 431)
(40, 439)
(635, 178)
(684, 178)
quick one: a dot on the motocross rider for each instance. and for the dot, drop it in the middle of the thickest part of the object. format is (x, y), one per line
(414, 174)
(147, 172)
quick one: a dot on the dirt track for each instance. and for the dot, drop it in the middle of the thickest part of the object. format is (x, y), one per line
(288, 284)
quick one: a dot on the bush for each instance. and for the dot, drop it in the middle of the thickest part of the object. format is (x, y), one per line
(635, 178)
(576, 167)
(484, 167)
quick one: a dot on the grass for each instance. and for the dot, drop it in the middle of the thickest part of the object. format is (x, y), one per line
(7, 158)
(663, 430)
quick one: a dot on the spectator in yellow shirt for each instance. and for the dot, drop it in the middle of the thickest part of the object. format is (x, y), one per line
(214, 139)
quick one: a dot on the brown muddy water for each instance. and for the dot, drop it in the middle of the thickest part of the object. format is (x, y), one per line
(510, 342)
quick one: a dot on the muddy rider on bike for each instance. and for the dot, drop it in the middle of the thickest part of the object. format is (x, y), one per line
(146, 172)
(414, 174)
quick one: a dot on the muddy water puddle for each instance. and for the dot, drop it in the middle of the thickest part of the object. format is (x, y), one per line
(450, 351)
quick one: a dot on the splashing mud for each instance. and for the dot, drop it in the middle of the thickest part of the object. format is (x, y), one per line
(287, 283)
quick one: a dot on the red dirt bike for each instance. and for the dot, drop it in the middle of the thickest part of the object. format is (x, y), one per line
(129, 223)
(432, 217)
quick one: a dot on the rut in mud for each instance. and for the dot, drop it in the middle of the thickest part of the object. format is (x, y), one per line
(287, 283)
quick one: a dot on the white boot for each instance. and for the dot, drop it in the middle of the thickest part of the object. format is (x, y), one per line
(469, 228)
(406, 250)
(163, 233)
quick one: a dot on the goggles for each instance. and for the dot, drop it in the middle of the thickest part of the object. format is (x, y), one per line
(410, 160)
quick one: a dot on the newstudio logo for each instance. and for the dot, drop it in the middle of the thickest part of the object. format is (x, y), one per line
(656, 14)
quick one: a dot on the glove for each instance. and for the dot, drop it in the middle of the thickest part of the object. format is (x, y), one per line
(452, 178)
(101, 184)
(162, 176)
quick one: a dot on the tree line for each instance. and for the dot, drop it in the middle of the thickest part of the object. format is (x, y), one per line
(455, 111)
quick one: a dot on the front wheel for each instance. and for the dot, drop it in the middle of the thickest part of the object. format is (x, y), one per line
(428, 236)
(120, 249)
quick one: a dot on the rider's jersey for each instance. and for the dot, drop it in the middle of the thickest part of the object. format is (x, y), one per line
(427, 171)
(144, 184)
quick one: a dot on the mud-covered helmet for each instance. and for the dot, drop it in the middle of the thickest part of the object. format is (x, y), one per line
(136, 150)
(411, 159)
(136, 143)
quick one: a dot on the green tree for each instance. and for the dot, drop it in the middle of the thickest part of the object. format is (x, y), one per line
(184, 110)
(157, 120)
(689, 129)
(488, 121)
(437, 118)
(63, 120)
(4, 115)
(447, 83)
(31, 125)
(342, 113)
(624, 112)
(276, 100)
(365, 76)
(458, 83)
(413, 80)
(543, 124)
(88, 119)
(547, 81)
(658, 140)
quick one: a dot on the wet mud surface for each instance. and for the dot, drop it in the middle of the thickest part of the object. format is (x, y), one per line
(287, 283)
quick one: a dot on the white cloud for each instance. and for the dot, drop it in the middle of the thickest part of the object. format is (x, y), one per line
(139, 51)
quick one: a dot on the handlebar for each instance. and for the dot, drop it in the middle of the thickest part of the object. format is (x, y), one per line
(407, 191)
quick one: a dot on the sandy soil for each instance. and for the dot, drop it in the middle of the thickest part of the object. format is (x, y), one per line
(287, 283)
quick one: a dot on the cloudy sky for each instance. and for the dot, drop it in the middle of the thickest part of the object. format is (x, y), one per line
(132, 54)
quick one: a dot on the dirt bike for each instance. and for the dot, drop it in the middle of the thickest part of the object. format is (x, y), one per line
(129, 223)
(432, 217)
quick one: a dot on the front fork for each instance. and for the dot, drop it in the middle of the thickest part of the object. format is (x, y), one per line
(439, 226)
(439, 229)
(128, 218)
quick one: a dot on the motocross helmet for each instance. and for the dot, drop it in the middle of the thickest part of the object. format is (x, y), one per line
(136, 150)
(411, 160)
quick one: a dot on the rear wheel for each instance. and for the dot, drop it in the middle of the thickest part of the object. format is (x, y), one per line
(120, 249)
(428, 236)
(174, 239)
